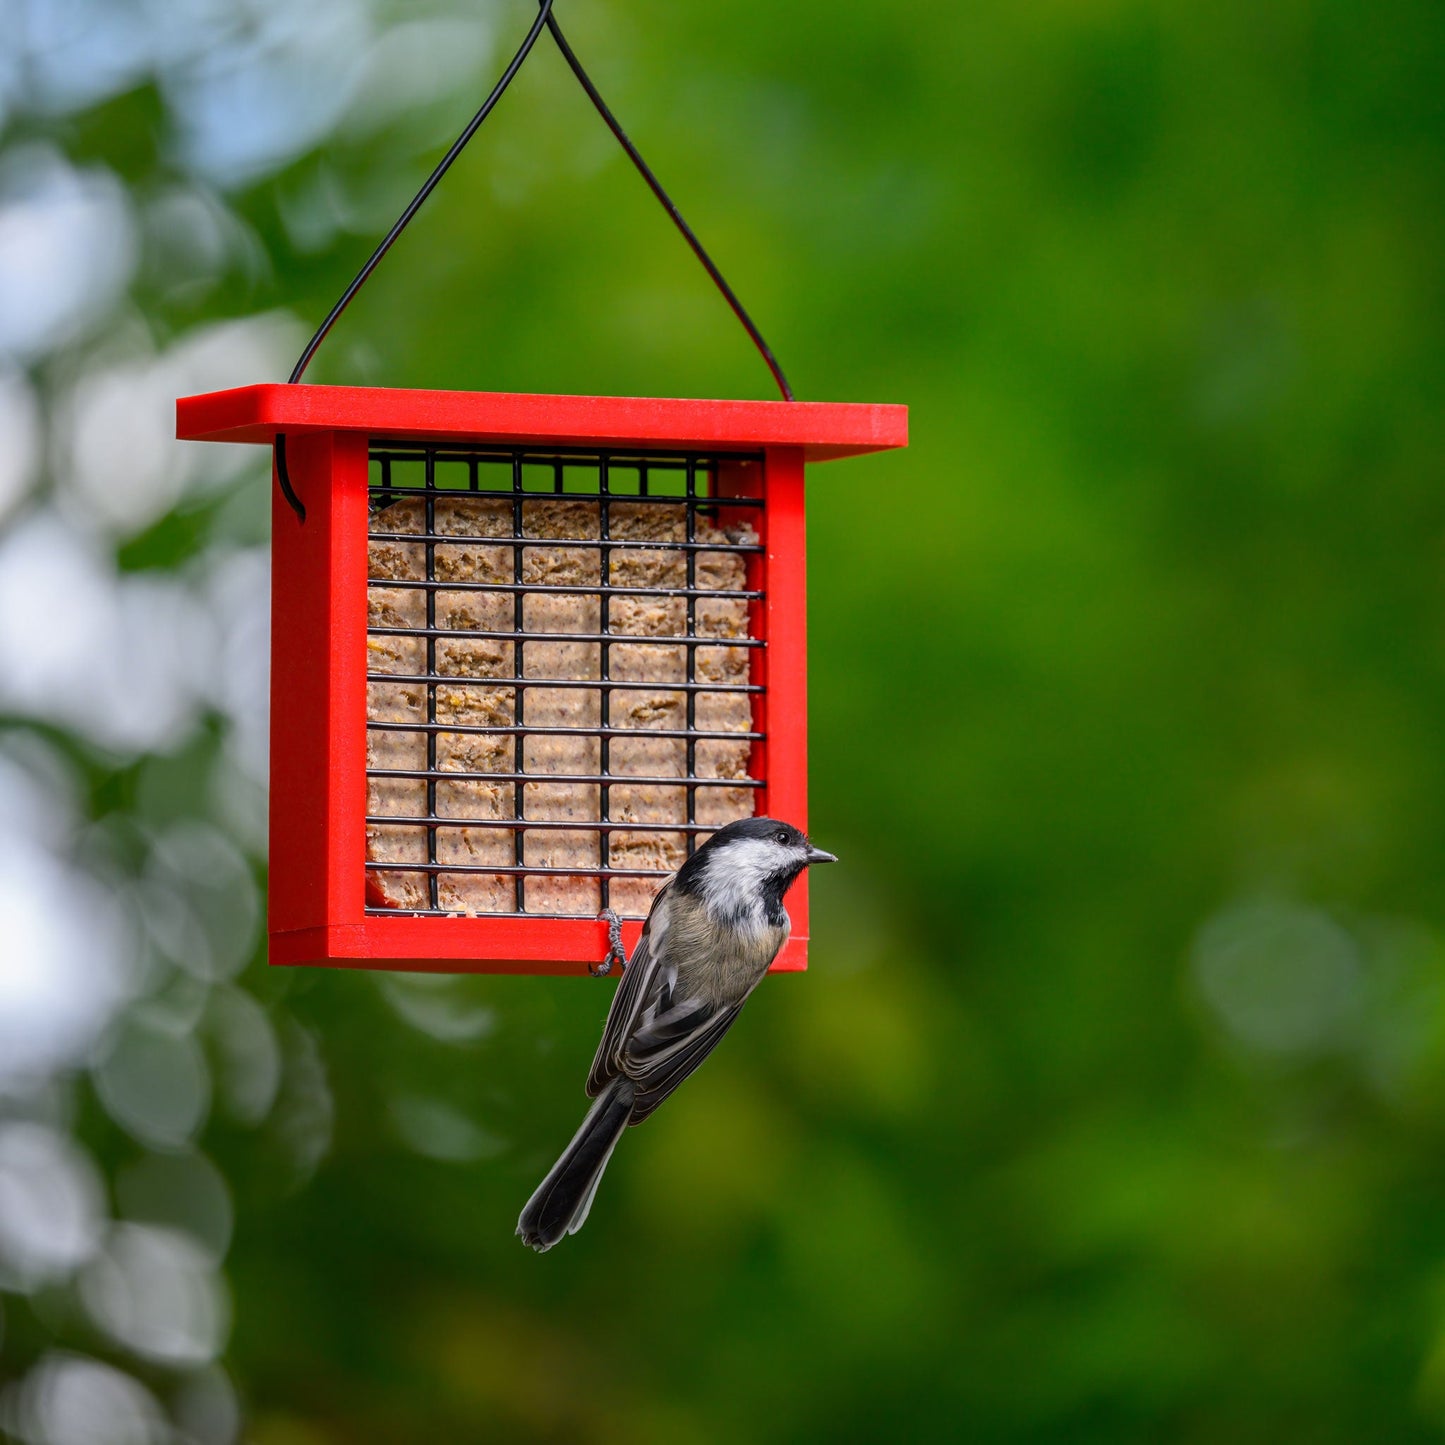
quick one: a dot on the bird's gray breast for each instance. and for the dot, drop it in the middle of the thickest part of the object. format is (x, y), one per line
(719, 959)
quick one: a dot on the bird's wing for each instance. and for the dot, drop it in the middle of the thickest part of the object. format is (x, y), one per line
(638, 985)
(666, 1050)
(655, 1035)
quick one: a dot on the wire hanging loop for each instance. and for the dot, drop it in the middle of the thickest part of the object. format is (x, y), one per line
(616, 953)
(283, 478)
(544, 20)
(668, 204)
(544, 14)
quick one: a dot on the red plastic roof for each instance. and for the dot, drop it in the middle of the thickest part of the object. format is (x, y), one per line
(823, 429)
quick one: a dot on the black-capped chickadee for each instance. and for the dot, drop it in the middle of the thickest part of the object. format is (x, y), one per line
(713, 929)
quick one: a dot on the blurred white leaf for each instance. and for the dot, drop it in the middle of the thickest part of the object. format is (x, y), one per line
(52, 1206)
(156, 1292)
(67, 249)
(71, 1400)
(154, 1084)
(1283, 978)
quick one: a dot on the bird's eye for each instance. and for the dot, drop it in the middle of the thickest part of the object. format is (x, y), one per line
(782, 838)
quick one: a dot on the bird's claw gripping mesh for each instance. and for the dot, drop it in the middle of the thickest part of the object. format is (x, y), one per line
(616, 953)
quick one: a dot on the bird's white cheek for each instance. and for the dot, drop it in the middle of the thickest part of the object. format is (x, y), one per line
(735, 881)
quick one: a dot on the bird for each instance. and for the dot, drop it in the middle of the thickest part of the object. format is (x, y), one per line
(714, 928)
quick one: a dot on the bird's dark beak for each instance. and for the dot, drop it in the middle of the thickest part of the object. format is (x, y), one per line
(817, 855)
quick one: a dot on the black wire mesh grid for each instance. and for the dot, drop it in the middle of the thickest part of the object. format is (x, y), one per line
(562, 697)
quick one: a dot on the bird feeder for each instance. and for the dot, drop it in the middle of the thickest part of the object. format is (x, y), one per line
(527, 652)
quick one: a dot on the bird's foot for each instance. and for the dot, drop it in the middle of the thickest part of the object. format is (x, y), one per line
(616, 953)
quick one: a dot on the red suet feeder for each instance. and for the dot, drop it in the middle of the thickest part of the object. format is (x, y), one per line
(527, 651)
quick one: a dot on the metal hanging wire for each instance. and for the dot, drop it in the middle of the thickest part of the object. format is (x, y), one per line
(545, 20)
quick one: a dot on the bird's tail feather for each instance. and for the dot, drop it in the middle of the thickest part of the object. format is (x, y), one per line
(563, 1198)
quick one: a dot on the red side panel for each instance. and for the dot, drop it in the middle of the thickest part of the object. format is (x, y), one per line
(318, 687)
(785, 622)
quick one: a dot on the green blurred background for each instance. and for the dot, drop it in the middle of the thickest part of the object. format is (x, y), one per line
(1113, 1106)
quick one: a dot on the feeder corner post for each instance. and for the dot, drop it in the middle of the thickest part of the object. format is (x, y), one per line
(785, 665)
(318, 697)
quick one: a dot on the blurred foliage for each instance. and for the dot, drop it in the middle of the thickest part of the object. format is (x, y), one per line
(1113, 1106)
